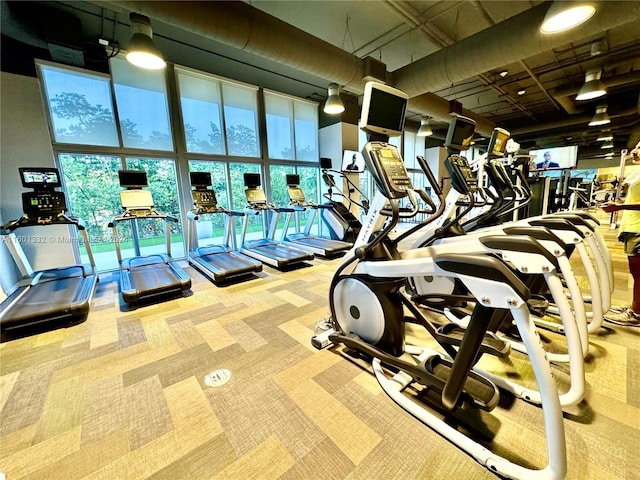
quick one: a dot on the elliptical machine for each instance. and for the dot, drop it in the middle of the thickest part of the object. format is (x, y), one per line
(368, 308)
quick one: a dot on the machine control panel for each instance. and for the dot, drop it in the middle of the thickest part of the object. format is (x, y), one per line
(204, 200)
(296, 195)
(43, 204)
(256, 196)
(462, 178)
(390, 174)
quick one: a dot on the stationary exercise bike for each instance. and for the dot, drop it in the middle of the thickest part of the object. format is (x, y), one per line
(368, 304)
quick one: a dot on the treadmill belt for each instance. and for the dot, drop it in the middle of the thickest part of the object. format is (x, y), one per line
(153, 279)
(280, 252)
(47, 301)
(229, 264)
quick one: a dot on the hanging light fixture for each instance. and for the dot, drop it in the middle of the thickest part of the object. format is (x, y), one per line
(593, 86)
(601, 117)
(605, 137)
(334, 104)
(425, 128)
(142, 52)
(565, 15)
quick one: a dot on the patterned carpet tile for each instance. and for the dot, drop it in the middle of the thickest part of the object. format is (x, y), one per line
(123, 395)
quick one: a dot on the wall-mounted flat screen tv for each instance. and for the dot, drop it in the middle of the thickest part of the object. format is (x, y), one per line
(352, 162)
(556, 158)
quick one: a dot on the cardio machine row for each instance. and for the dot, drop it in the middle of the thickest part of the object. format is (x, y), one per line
(62, 296)
(491, 299)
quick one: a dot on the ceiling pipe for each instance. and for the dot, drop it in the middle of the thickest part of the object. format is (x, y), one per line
(531, 131)
(248, 29)
(439, 109)
(506, 42)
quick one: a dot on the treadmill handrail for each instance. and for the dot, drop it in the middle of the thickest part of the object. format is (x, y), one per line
(151, 214)
(61, 219)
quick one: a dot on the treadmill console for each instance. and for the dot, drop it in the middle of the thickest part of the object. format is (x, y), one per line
(256, 196)
(44, 203)
(386, 165)
(204, 200)
(462, 178)
(296, 195)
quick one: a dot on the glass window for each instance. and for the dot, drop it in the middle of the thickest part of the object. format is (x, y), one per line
(201, 113)
(279, 132)
(210, 228)
(291, 123)
(278, 177)
(306, 130)
(240, 106)
(143, 112)
(309, 185)
(239, 199)
(279, 195)
(93, 193)
(161, 176)
(80, 107)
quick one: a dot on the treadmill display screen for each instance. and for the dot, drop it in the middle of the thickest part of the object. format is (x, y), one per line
(293, 180)
(40, 177)
(252, 180)
(132, 178)
(200, 179)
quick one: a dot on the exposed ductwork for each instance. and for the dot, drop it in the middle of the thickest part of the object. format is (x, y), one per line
(439, 108)
(572, 121)
(246, 28)
(506, 42)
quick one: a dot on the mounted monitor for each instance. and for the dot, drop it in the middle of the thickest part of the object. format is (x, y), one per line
(325, 163)
(352, 162)
(132, 178)
(383, 110)
(252, 180)
(460, 133)
(557, 158)
(498, 143)
(200, 179)
(40, 178)
(293, 180)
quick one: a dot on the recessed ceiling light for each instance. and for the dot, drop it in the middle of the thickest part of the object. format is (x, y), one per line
(607, 145)
(504, 73)
(604, 138)
(522, 92)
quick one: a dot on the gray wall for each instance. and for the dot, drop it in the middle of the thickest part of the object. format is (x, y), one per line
(25, 141)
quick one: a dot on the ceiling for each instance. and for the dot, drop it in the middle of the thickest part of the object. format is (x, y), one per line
(447, 55)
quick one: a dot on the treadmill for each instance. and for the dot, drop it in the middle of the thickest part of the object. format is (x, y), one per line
(335, 215)
(55, 297)
(267, 250)
(323, 247)
(147, 278)
(218, 262)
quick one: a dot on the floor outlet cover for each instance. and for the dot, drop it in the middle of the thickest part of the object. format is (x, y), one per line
(217, 378)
